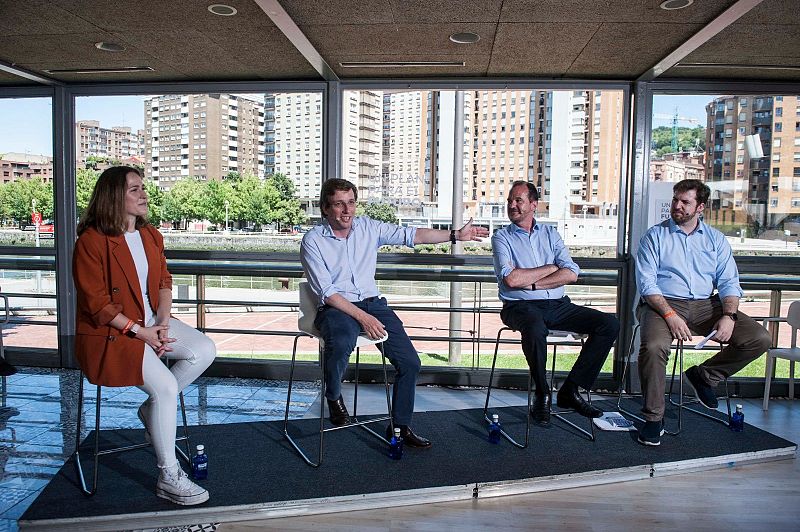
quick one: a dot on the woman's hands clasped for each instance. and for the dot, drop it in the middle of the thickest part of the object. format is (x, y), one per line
(157, 337)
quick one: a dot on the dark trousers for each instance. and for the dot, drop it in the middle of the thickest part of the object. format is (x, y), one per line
(748, 341)
(339, 333)
(534, 318)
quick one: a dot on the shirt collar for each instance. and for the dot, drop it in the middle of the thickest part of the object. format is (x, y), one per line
(514, 228)
(673, 227)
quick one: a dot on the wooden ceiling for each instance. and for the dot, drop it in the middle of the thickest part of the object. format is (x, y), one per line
(553, 39)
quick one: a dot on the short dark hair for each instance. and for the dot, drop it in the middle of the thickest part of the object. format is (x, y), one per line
(533, 192)
(331, 186)
(701, 190)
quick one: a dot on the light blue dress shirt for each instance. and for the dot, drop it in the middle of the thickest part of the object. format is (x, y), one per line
(680, 266)
(346, 266)
(514, 247)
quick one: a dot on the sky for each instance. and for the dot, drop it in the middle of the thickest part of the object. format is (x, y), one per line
(25, 123)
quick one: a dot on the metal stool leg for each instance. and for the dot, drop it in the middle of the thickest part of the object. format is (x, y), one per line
(681, 404)
(625, 367)
(489, 392)
(322, 429)
(559, 414)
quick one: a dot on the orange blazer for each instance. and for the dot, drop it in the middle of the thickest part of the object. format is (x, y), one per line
(107, 284)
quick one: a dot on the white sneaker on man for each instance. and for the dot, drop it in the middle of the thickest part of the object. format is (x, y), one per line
(174, 485)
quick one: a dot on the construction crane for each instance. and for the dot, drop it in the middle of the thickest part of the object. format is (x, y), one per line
(675, 118)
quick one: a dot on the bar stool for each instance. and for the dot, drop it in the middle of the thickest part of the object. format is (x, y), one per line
(308, 307)
(97, 452)
(681, 404)
(556, 339)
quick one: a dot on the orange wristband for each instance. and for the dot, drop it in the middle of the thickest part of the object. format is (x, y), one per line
(670, 314)
(127, 326)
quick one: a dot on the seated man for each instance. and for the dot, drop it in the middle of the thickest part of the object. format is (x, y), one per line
(532, 266)
(678, 265)
(339, 258)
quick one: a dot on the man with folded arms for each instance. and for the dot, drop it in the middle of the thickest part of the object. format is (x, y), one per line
(339, 257)
(678, 265)
(533, 265)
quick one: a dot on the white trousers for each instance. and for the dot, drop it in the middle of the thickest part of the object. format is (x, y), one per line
(193, 352)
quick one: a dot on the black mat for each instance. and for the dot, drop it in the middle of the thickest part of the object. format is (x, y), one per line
(252, 463)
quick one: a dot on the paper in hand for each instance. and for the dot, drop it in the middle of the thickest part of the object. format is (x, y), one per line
(702, 343)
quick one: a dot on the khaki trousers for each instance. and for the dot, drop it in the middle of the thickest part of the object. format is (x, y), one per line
(748, 341)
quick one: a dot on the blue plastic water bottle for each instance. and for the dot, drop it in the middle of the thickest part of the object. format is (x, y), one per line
(494, 429)
(200, 464)
(396, 445)
(737, 420)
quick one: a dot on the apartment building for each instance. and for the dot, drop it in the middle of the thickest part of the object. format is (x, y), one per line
(16, 166)
(116, 143)
(203, 135)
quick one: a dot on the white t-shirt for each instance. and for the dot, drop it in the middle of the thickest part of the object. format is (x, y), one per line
(134, 240)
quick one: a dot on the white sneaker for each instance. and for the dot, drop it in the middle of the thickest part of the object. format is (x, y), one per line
(174, 485)
(142, 414)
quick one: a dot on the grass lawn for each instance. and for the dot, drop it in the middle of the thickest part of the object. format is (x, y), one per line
(564, 361)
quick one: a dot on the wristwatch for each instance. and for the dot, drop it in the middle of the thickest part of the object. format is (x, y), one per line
(732, 315)
(453, 236)
(133, 330)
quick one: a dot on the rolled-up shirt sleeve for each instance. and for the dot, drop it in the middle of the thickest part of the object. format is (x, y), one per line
(393, 235)
(89, 274)
(317, 272)
(502, 258)
(561, 255)
(647, 265)
(727, 275)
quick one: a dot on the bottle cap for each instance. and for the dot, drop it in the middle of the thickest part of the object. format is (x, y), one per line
(739, 407)
(495, 418)
(201, 447)
(397, 431)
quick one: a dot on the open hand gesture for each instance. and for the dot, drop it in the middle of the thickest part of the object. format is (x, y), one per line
(471, 232)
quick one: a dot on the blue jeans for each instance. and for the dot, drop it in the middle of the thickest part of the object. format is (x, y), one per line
(340, 331)
(534, 318)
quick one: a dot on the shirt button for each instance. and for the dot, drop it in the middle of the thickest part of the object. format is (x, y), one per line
(115, 289)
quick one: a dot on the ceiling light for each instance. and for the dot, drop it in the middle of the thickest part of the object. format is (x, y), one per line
(671, 5)
(465, 37)
(114, 70)
(731, 66)
(400, 64)
(109, 46)
(222, 10)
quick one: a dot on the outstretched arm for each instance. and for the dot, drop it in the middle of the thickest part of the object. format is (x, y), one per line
(436, 236)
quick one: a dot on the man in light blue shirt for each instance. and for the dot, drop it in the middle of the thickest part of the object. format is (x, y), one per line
(339, 257)
(679, 264)
(532, 266)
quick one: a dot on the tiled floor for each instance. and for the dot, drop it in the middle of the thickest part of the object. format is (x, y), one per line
(37, 418)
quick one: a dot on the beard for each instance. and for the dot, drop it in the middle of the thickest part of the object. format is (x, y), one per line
(681, 217)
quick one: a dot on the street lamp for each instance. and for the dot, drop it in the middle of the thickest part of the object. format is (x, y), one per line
(226, 216)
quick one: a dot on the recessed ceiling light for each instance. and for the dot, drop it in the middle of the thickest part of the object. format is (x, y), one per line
(400, 64)
(222, 10)
(109, 46)
(731, 66)
(113, 70)
(671, 5)
(465, 37)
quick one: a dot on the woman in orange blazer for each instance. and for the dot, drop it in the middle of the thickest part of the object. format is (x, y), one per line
(123, 323)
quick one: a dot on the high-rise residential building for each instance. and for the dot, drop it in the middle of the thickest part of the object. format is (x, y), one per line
(17, 166)
(117, 143)
(204, 136)
(764, 190)
(293, 141)
(361, 143)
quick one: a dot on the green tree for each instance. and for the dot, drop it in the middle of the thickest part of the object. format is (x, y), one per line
(384, 212)
(184, 201)
(284, 209)
(688, 139)
(18, 195)
(253, 198)
(216, 194)
(86, 179)
(155, 202)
